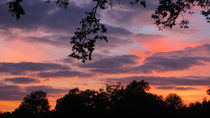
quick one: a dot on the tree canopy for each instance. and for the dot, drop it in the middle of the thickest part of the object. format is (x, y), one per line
(174, 101)
(34, 103)
(92, 30)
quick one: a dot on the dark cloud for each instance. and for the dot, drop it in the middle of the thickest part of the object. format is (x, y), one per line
(114, 64)
(166, 81)
(10, 92)
(162, 64)
(21, 80)
(113, 42)
(24, 67)
(175, 88)
(125, 14)
(63, 41)
(47, 16)
(144, 38)
(111, 30)
(44, 70)
(52, 92)
(185, 88)
(54, 40)
(63, 74)
(165, 87)
(14, 92)
(116, 36)
(39, 14)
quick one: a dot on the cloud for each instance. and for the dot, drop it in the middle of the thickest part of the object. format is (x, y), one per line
(39, 17)
(198, 51)
(115, 64)
(44, 70)
(52, 92)
(113, 31)
(175, 88)
(63, 74)
(24, 67)
(162, 64)
(10, 92)
(166, 81)
(62, 40)
(129, 16)
(175, 60)
(14, 92)
(21, 80)
(113, 42)
(39, 14)
(54, 40)
(158, 62)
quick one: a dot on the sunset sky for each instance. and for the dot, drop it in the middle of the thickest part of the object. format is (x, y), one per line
(34, 52)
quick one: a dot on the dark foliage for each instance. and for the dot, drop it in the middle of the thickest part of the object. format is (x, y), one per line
(33, 104)
(168, 11)
(132, 100)
(16, 9)
(92, 30)
(62, 3)
(174, 101)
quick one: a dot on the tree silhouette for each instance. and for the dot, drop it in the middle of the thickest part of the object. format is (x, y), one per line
(138, 87)
(208, 91)
(115, 100)
(5, 115)
(92, 30)
(34, 103)
(174, 101)
(132, 100)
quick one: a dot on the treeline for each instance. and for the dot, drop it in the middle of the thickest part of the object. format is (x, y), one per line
(130, 101)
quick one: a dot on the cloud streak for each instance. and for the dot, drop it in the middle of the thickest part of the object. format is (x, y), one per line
(114, 64)
(14, 92)
(24, 67)
(63, 74)
(166, 81)
(175, 60)
(10, 92)
(175, 88)
(52, 92)
(22, 80)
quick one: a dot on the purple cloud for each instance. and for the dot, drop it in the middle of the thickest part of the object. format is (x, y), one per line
(166, 81)
(175, 88)
(24, 67)
(52, 92)
(22, 80)
(10, 92)
(63, 74)
(116, 64)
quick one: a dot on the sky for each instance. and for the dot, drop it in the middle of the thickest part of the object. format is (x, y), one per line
(34, 52)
